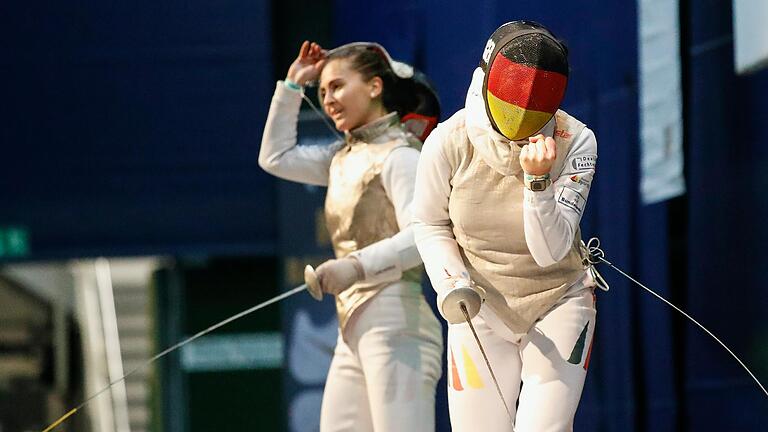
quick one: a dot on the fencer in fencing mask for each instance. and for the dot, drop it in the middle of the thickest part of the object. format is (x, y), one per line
(526, 72)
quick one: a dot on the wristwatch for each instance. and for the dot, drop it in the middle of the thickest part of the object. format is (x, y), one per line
(537, 183)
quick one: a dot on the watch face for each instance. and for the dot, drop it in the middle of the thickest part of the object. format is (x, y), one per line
(538, 185)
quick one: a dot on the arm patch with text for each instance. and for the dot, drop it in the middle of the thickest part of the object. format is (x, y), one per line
(572, 199)
(580, 164)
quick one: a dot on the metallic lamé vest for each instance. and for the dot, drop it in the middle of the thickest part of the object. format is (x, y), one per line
(486, 209)
(357, 210)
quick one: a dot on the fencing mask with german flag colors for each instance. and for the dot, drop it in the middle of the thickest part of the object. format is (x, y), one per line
(526, 72)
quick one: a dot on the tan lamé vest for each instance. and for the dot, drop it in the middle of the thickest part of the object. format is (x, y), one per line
(486, 209)
(357, 210)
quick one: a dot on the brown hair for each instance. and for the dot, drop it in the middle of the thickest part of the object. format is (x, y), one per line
(370, 62)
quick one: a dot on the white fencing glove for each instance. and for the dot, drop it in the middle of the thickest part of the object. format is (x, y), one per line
(336, 275)
(454, 291)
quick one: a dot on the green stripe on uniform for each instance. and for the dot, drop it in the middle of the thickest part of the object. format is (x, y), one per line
(578, 350)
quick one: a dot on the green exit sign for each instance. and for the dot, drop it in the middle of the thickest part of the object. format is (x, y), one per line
(14, 242)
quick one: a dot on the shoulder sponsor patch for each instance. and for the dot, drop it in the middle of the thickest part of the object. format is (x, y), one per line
(580, 179)
(572, 199)
(583, 163)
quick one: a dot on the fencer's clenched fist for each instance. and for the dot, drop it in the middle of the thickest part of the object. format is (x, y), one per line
(308, 63)
(538, 156)
(336, 275)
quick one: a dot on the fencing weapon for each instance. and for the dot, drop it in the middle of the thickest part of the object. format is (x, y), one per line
(311, 286)
(464, 311)
(595, 256)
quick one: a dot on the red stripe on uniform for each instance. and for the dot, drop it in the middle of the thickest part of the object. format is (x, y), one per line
(589, 353)
(515, 83)
(455, 379)
(591, 342)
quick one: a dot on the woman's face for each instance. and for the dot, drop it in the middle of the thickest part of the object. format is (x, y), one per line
(347, 98)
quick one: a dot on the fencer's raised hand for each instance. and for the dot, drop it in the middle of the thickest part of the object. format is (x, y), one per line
(308, 63)
(457, 290)
(538, 156)
(336, 275)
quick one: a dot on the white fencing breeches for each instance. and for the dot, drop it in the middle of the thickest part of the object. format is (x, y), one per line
(384, 371)
(550, 361)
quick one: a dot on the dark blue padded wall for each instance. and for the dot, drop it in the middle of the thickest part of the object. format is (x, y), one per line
(134, 128)
(726, 232)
